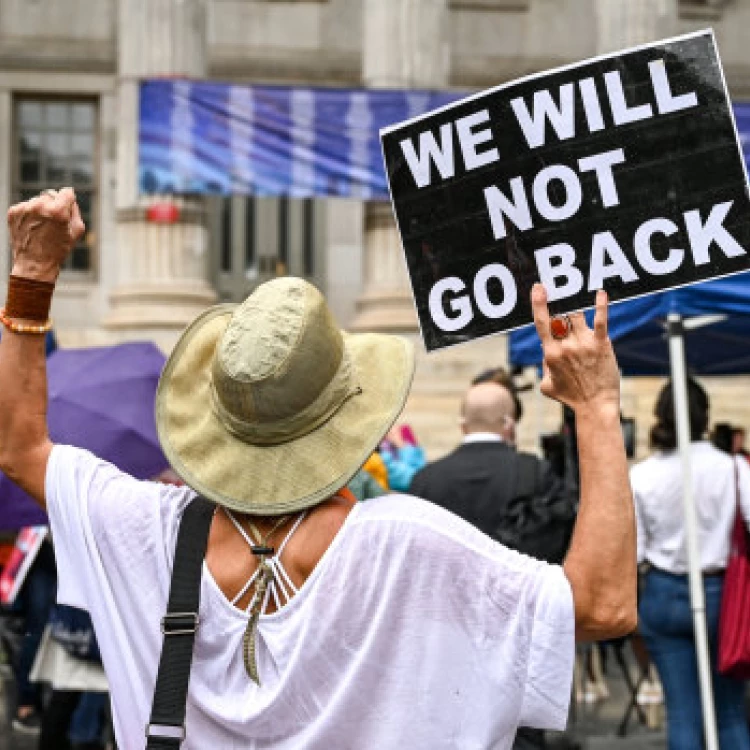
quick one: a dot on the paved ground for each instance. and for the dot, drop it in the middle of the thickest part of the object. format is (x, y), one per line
(595, 726)
(10, 740)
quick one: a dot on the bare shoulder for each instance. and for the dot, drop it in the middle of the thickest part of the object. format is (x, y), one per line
(418, 522)
(319, 530)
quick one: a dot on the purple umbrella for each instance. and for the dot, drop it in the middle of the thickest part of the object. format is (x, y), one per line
(101, 399)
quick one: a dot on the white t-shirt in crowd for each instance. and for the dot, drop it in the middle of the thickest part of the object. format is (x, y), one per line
(657, 489)
(414, 630)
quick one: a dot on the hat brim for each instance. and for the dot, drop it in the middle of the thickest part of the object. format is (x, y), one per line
(275, 479)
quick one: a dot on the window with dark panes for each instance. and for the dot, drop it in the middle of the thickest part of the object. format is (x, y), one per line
(282, 265)
(56, 146)
(250, 254)
(226, 236)
(308, 237)
(255, 239)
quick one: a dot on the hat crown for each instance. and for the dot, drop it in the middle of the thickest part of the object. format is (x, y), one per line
(277, 361)
(237, 365)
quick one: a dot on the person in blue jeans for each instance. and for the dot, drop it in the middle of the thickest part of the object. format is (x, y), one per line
(73, 720)
(667, 626)
(86, 725)
(665, 616)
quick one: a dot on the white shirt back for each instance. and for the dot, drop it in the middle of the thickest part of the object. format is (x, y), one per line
(414, 630)
(657, 489)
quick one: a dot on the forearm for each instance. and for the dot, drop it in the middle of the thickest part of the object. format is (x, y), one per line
(43, 231)
(23, 405)
(24, 442)
(601, 562)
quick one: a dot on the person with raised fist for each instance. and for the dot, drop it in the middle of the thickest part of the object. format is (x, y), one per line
(302, 618)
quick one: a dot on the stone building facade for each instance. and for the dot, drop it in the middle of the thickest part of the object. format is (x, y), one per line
(69, 72)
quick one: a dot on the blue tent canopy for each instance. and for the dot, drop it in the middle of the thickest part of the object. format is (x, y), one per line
(637, 328)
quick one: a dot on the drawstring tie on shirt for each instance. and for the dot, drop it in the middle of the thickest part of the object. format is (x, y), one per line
(265, 583)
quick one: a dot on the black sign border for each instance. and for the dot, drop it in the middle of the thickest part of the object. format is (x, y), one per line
(706, 32)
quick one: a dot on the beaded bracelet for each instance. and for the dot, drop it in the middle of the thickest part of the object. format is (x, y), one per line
(24, 327)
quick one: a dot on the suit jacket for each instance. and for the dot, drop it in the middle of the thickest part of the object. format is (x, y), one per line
(478, 480)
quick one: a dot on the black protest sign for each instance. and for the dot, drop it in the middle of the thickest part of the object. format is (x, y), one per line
(622, 172)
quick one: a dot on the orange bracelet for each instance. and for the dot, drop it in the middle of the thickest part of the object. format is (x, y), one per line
(24, 327)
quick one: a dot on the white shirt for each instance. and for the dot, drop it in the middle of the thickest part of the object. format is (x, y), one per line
(482, 437)
(657, 488)
(414, 629)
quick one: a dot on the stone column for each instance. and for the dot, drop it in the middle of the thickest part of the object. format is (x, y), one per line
(626, 23)
(161, 278)
(405, 46)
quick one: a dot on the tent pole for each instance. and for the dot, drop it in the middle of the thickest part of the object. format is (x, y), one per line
(697, 597)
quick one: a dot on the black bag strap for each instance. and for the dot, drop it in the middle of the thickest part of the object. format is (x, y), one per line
(166, 727)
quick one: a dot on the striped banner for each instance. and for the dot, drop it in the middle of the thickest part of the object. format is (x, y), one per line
(205, 137)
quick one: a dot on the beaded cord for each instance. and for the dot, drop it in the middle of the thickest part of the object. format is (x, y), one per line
(268, 577)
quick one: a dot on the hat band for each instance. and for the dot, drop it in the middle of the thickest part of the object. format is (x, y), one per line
(341, 388)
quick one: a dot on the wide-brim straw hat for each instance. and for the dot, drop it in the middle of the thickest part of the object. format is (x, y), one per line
(268, 407)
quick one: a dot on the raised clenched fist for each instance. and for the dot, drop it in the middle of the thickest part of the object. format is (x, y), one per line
(43, 231)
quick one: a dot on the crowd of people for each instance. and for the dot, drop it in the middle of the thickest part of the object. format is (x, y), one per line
(487, 482)
(61, 687)
(292, 477)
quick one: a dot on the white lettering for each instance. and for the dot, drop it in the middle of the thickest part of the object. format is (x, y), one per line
(573, 193)
(562, 117)
(644, 253)
(469, 140)
(461, 305)
(517, 211)
(602, 164)
(591, 105)
(666, 102)
(621, 113)
(607, 261)
(564, 267)
(510, 294)
(703, 235)
(419, 163)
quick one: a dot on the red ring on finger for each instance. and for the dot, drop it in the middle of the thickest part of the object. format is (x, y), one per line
(560, 326)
